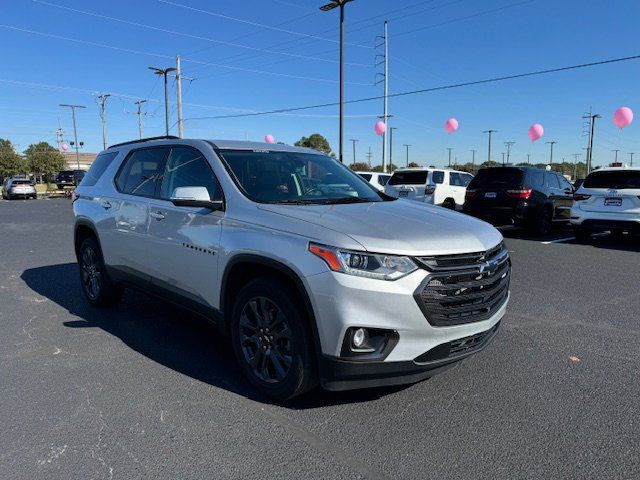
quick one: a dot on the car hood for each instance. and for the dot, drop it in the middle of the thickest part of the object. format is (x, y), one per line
(400, 227)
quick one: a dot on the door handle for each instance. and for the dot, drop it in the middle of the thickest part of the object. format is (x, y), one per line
(106, 205)
(157, 215)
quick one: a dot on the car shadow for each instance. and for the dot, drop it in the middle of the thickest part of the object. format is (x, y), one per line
(170, 336)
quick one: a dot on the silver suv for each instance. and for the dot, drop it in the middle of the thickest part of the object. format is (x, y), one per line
(315, 276)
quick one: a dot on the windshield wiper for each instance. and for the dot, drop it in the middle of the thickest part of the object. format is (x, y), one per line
(337, 201)
(294, 202)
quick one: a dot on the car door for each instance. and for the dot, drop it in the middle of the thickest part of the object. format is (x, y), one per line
(185, 241)
(457, 188)
(123, 231)
(566, 201)
(554, 194)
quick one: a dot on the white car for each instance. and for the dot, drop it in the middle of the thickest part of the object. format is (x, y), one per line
(18, 188)
(609, 199)
(378, 180)
(435, 186)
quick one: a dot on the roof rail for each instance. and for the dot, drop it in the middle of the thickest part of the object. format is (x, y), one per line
(163, 137)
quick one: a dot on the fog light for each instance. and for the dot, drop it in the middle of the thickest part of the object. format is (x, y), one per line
(359, 337)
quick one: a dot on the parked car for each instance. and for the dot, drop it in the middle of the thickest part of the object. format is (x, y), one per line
(378, 180)
(521, 196)
(578, 183)
(442, 187)
(69, 178)
(345, 287)
(609, 199)
(18, 188)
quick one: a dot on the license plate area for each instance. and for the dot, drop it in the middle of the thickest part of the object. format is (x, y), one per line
(490, 195)
(613, 202)
(403, 193)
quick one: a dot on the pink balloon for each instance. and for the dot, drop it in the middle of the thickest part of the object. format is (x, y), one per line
(451, 125)
(623, 117)
(380, 128)
(536, 131)
(65, 147)
(269, 139)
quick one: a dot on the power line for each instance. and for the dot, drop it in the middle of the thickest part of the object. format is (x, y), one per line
(428, 90)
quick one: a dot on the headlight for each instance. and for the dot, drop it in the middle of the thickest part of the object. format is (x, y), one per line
(370, 265)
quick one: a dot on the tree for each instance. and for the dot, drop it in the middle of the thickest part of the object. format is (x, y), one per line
(413, 165)
(317, 142)
(360, 167)
(390, 168)
(44, 159)
(10, 162)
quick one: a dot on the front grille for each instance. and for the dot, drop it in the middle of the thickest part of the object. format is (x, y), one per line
(465, 293)
(462, 261)
(458, 348)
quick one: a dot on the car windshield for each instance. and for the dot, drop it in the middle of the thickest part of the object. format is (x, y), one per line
(497, 177)
(613, 179)
(296, 178)
(408, 178)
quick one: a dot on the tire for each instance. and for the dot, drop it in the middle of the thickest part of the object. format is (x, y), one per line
(542, 222)
(272, 340)
(96, 285)
(449, 203)
(60, 187)
(581, 234)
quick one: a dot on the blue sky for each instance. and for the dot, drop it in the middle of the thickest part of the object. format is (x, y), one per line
(432, 43)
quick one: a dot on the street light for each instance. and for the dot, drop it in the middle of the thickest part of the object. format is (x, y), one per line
(325, 8)
(75, 130)
(164, 72)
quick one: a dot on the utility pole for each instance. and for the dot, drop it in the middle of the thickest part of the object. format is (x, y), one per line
(503, 159)
(528, 158)
(391, 145)
(552, 143)
(592, 124)
(576, 156)
(353, 141)
(490, 132)
(385, 80)
(369, 155)
(75, 130)
(325, 8)
(450, 150)
(103, 115)
(140, 114)
(616, 157)
(164, 72)
(407, 146)
(631, 154)
(179, 78)
(508, 145)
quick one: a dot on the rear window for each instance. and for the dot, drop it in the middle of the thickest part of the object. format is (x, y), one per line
(497, 177)
(613, 179)
(437, 176)
(408, 178)
(21, 182)
(366, 176)
(98, 167)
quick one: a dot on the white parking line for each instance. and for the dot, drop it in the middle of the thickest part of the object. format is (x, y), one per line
(559, 240)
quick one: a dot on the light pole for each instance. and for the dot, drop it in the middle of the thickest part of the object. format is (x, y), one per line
(75, 130)
(450, 150)
(353, 141)
(490, 132)
(407, 146)
(325, 8)
(391, 129)
(631, 154)
(164, 72)
(552, 143)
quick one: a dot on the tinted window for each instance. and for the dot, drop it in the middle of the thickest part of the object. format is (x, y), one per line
(455, 180)
(383, 179)
(21, 182)
(552, 180)
(98, 167)
(366, 176)
(466, 178)
(536, 179)
(186, 167)
(408, 178)
(619, 179)
(140, 174)
(564, 183)
(497, 177)
(437, 176)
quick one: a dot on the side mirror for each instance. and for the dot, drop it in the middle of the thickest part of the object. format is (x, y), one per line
(194, 197)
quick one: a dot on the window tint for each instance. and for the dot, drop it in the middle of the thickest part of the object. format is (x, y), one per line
(187, 167)
(552, 180)
(455, 180)
(98, 167)
(536, 179)
(383, 179)
(366, 176)
(466, 179)
(141, 173)
(564, 183)
(619, 179)
(408, 178)
(500, 177)
(437, 176)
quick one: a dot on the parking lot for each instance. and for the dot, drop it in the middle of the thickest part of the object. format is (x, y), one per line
(148, 391)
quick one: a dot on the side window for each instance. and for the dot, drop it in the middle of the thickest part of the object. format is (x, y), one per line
(383, 179)
(98, 167)
(140, 175)
(466, 179)
(437, 176)
(454, 179)
(187, 167)
(537, 179)
(564, 183)
(552, 180)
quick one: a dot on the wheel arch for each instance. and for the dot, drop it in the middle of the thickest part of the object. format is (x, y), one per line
(84, 229)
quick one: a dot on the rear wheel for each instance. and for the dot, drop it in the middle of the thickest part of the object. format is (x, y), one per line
(449, 203)
(97, 287)
(542, 222)
(581, 234)
(271, 339)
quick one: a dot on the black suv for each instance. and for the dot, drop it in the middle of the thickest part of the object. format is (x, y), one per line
(69, 178)
(521, 196)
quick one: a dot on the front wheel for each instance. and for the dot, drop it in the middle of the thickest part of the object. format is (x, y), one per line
(96, 284)
(542, 222)
(581, 234)
(271, 339)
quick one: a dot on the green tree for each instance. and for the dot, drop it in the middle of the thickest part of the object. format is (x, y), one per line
(390, 168)
(413, 165)
(317, 142)
(10, 162)
(44, 159)
(360, 167)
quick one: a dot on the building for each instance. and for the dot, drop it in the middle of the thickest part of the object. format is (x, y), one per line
(86, 159)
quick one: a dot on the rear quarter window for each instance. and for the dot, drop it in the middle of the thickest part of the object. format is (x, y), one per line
(437, 176)
(97, 168)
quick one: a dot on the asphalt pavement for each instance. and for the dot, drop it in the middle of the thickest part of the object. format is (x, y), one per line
(149, 391)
